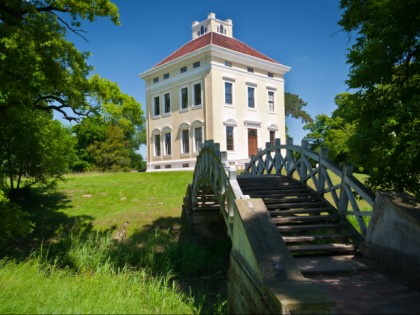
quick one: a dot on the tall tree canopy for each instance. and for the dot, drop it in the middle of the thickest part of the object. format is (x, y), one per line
(385, 71)
(41, 72)
(39, 68)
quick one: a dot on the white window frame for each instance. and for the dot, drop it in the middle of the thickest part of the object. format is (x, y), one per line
(164, 113)
(255, 97)
(155, 145)
(193, 94)
(232, 92)
(180, 98)
(165, 147)
(153, 106)
(182, 140)
(268, 101)
(233, 137)
(196, 148)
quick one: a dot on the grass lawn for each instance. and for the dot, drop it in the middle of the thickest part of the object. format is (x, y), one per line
(71, 264)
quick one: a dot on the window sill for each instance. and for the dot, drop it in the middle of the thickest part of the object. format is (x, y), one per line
(252, 109)
(156, 117)
(229, 105)
(166, 114)
(183, 110)
(197, 107)
(185, 154)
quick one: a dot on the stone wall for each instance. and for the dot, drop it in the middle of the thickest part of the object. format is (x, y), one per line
(393, 236)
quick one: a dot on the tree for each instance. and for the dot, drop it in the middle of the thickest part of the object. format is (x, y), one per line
(33, 149)
(385, 71)
(119, 115)
(39, 68)
(294, 107)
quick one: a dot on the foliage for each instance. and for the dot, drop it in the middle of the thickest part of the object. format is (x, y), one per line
(40, 69)
(113, 153)
(334, 132)
(109, 139)
(33, 148)
(14, 221)
(385, 70)
(294, 107)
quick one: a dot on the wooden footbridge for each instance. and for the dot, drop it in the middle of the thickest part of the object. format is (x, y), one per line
(288, 219)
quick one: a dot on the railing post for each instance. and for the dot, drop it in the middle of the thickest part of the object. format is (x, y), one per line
(289, 157)
(344, 199)
(223, 160)
(323, 153)
(303, 168)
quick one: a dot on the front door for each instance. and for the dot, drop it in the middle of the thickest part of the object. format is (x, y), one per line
(252, 142)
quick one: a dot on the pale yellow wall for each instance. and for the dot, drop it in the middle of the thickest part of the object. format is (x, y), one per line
(212, 73)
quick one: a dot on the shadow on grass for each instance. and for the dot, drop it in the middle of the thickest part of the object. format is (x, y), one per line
(166, 245)
(199, 265)
(44, 209)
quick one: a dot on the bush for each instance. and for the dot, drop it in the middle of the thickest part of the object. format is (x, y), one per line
(14, 221)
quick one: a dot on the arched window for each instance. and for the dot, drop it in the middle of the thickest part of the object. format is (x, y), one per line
(202, 30)
(222, 29)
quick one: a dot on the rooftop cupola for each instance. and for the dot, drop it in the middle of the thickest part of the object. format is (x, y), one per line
(212, 25)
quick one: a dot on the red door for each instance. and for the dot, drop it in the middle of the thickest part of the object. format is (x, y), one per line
(252, 142)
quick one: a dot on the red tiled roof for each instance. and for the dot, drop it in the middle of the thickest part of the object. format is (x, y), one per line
(217, 40)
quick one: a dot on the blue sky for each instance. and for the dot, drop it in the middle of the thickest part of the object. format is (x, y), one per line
(301, 34)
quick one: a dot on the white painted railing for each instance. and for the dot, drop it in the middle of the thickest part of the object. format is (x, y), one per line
(211, 172)
(315, 170)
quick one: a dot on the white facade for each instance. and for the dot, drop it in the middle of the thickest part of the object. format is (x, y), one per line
(214, 87)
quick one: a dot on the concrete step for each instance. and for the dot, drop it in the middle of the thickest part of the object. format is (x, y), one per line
(307, 227)
(316, 237)
(306, 219)
(333, 264)
(295, 205)
(286, 212)
(316, 249)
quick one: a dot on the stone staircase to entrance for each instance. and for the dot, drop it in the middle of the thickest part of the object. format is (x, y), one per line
(320, 240)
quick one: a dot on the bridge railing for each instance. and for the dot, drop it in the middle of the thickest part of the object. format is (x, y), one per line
(316, 171)
(210, 172)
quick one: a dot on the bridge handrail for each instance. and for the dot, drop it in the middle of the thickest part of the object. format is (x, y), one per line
(210, 171)
(299, 160)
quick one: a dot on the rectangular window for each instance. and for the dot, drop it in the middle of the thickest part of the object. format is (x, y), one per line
(228, 64)
(166, 103)
(250, 69)
(168, 145)
(156, 106)
(272, 137)
(155, 80)
(184, 98)
(183, 69)
(185, 141)
(229, 138)
(270, 101)
(270, 75)
(198, 138)
(251, 97)
(197, 94)
(228, 93)
(166, 76)
(196, 64)
(157, 145)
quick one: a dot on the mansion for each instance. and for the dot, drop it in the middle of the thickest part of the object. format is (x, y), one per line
(213, 87)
